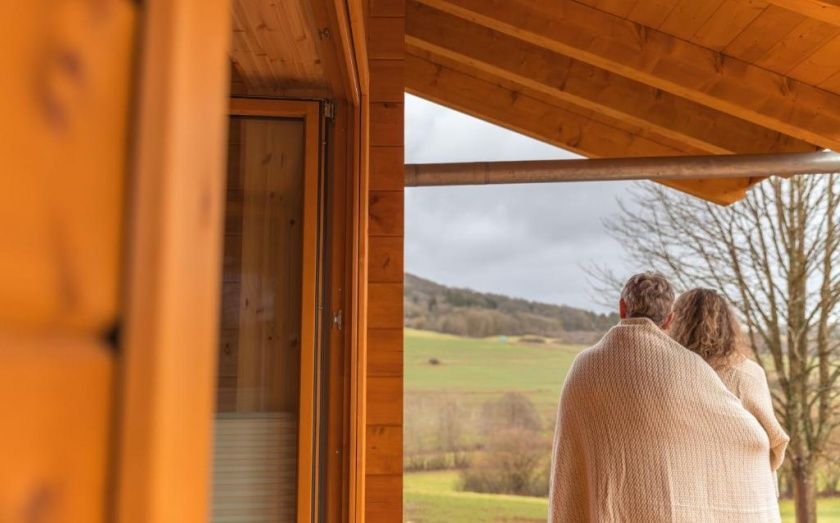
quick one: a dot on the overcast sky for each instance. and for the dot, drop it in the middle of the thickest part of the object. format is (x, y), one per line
(529, 241)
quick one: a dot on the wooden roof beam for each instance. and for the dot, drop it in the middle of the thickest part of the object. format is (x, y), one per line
(559, 77)
(823, 10)
(569, 129)
(657, 59)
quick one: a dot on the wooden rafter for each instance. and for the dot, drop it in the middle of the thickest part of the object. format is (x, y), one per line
(558, 77)
(824, 10)
(663, 61)
(573, 129)
(568, 127)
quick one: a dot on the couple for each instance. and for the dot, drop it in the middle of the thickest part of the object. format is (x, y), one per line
(665, 419)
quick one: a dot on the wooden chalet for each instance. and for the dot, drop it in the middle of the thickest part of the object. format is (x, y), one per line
(201, 271)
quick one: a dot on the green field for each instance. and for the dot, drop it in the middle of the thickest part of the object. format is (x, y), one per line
(473, 371)
(478, 369)
(432, 497)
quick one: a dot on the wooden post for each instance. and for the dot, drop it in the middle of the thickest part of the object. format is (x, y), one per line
(172, 296)
(384, 415)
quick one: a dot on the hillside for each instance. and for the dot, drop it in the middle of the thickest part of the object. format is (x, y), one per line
(435, 307)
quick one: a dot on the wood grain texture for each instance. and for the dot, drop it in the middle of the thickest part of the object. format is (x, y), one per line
(275, 46)
(385, 305)
(385, 38)
(382, 261)
(790, 50)
(384, 450)
(385, 259)
(650, 13)
(686, 69)
(820, 65)
(386, 213)
(687, 17)
(386, 8)
(578, 130)
(763, 33)
(65, 101)
(56, 395)
(386, 168)
(825, 10)
(555, 76)
(388, 81)
(385, 348)
(727, 22)
(384, 497)
(386, 119)
(269, 316)
(385, 400)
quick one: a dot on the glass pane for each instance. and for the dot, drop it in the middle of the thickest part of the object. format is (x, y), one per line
(255, 455)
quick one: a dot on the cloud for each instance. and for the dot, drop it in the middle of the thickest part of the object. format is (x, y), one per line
(526, 240)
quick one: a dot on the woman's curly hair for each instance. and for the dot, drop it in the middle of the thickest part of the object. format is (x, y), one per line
(705, 323)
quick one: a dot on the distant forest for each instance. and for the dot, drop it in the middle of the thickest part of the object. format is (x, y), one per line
(464, 312)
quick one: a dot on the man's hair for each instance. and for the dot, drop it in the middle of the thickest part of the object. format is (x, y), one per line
(648, 295)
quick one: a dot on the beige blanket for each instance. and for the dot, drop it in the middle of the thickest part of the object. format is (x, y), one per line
(748, 381)
(647, 432)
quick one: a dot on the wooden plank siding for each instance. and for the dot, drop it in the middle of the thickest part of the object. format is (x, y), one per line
(384, 412)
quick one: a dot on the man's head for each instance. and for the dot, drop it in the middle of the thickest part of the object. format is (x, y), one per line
(647, 295)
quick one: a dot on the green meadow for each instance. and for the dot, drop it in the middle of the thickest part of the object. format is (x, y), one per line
(479, 369)
(473, 371)
(433, 497)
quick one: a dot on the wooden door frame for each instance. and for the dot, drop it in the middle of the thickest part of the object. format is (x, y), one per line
(310, 113)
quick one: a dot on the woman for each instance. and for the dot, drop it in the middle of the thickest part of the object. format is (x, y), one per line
(706, 324)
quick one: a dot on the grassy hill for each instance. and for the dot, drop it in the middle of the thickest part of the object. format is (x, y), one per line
(434, 307)
(474, 370)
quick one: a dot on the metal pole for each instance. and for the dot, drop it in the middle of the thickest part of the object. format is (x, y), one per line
(652, 168)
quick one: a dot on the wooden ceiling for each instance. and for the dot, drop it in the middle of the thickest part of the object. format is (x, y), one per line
(277, 50)
(638, 77)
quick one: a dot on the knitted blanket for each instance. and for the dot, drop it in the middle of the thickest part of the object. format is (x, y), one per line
(647, 432)
(748, 381)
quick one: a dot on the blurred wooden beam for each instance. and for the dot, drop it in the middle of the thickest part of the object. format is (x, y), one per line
(663, 61)
(557, 77)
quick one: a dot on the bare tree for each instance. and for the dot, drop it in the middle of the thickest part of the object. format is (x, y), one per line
(775, 255)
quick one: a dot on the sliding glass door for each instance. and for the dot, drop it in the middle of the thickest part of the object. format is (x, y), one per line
(264, 451)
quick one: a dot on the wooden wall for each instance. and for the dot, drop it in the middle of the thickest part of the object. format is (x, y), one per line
(65, 98)
(386, 30)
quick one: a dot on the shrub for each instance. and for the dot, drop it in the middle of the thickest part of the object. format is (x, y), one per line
(514, 462)
(513, 410)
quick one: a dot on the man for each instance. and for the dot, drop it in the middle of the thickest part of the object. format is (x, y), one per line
(647, 432)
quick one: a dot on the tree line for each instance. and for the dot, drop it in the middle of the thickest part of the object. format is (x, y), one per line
(464, 312)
